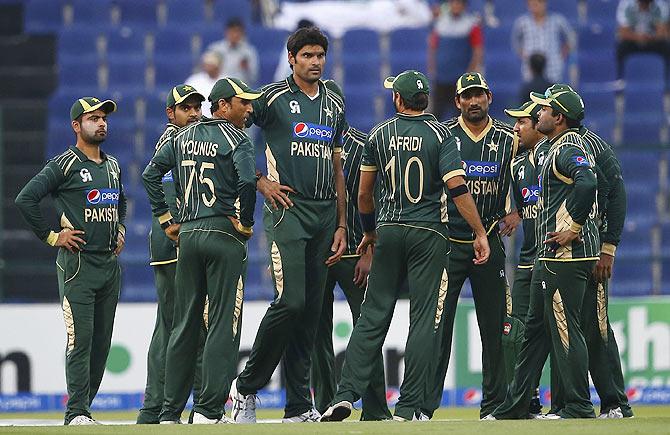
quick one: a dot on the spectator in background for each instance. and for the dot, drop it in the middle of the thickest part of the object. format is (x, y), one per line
(546, 33)
(284, 67)
(205, 79)
(240, 57)
(643, 28)
(456, 46)
(538, 81)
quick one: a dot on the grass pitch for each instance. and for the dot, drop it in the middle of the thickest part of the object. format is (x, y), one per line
(648, 420)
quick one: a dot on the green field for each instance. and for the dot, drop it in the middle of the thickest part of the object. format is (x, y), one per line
(648, 420)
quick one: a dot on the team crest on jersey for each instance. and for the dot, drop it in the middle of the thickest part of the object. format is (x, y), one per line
(329, 112)
(580, 161)
(493, 147)
(294, 106)
(85, 176)
(521, 173)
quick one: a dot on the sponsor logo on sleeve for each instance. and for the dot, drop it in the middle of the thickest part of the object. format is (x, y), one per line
(167, 178)
(580, 161)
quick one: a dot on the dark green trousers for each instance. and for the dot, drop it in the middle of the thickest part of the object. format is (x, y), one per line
(324, 376)
(420, 253)
(89, 285)
(299, 241)
(553, 324)
(489, 286)
(604, 360)
(513, 328)
(164, 277)
(212, 258)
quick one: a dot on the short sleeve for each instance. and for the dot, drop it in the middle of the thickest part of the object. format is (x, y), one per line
(369, 159)
(260, 113)
(450, 159)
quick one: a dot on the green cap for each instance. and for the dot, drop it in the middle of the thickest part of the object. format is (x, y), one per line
(90, 104)
(229, 87)
(471, 80)
(528, 109)
(408, 83)
(180, 93)
(566, 102)
(557, 87)
(333, 86)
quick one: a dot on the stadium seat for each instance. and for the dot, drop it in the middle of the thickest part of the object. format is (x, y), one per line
(128, 75)
(125, 41)
(136, 13)
(497, 39)
(632, 277)
(409, 60)
(225, 10)
(602, 10)
(210, 33)
(43, 16)
(363, 42)
(601, 122)
(170, 73)
(80, 75)
(174, 42)
(363, 70)
(642, 128)
(508, 11)
(76, 44)
(270, 42)
(409, 41)
(89, 15)
(644, 72)
(183, 13)
(635, 243)
(567, 8)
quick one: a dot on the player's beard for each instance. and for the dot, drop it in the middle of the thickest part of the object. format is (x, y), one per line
(478, 117)
(94, 138)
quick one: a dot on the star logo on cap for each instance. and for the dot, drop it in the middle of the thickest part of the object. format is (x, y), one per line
(470, 78)
(188, 88)
(329, 112)
(492, 147)
(95, 100)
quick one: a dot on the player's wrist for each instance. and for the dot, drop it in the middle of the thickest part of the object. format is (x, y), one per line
(368, 222)
(52, 238)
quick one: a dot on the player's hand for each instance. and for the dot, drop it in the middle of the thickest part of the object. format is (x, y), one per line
(120, 243)
(70, 240)
(274, 192)
(368, 243)
(556, 240)
(603, 269)
(172, 232)
(482, 249)
(362, 268)
(338, 246)
(509, 223)
(245, 231)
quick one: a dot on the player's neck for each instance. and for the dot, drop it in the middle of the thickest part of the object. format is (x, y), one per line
(309, 88)
(410, 112)
(559, 130)
(92, 151)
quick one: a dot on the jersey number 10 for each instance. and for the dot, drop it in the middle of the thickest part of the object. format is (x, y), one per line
(202, 179)
(390, 167)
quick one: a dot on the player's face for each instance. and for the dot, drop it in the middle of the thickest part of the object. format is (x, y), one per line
(308, 63)
(528, 135)
(185, 113)
(92, 128)
(237, 111)
(547, 122)
(474, 104)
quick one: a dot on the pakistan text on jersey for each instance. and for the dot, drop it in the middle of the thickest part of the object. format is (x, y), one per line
(106, 214)
(309, 149)
(482, 187)
(529, 212)
(405, 143)
(198, 148)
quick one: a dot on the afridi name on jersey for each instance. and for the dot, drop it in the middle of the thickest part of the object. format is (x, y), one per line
(353, 144)
(415, 156)
(526, 190)
(559, 208)
(486, 162)
(301, 134)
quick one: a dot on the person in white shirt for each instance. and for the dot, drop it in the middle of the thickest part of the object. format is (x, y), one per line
(240, 57)
(205, 79)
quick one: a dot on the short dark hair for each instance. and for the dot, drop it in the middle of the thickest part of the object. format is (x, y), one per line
(419, 101)
(306, 36)
(235, 22)
(215, 104)
(569, 122)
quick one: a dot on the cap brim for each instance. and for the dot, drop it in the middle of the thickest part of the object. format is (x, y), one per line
(107, 106)
(460, 91)
(540, 99)
(388, 82)
(516, 113)
(184, 97)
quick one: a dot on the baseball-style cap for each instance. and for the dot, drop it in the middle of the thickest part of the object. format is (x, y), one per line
(569, 103)
(471, 80)
(90, 104)
(557, 87)
(528, 109)
(229, 87)
(408, 83)
(180, 93)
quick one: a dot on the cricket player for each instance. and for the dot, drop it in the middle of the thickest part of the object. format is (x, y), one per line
(215, 161)
(183, 107)
(305, 223)
(351, 273)
(487, 147)
(568, 246)
(416, 156)
(86, 185)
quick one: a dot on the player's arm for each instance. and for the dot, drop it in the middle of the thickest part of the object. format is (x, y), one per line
(244, 161)
(340, 237)
(366, 200)
(28, 204)
(152, 177)
(123, 206)
(571, 164)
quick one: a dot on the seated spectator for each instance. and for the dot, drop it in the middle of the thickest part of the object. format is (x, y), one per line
(204, 80)
(545, 33)
(283, 67)
(538, 81)
(643, 28)
(456, 46)
(240, 57)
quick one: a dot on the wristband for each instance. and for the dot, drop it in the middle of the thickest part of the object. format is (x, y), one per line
(459, 190)
(52, 238)
(167, 223)
(368, 221)
(341, 226)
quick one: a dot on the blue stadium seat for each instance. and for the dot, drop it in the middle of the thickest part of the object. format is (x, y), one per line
(225, 10)
(210, 33)
(409, 60)
(505, 71)
(75, 43)
(409, 41)
(635, 243)
(602, 10)
(596, 66)
(59, 136)
(125, 41)
(137, 280)
(267, 66)
(138, 13)
(632, 277)
(497, 39)
(128, 75)
(363, 42)
(80, 75)
(567, 8)
(170, 73)
(173, 42)
(508, 11)
(90, 15)
(601, 122)
(363, 70)
(642, 128)
(270, 42)
(183, 13)
(597, 102)
(43, 16)
(597, 37)
(644, 72)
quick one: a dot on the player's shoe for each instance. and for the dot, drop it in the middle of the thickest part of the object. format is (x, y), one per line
(420, 416)
(535, 406)
(170, 422)
(337, 412)
(201, 419)
(488, 418)
(82, 420)
(244, 407)
(311, 416)
(549, 416)
(612, 413)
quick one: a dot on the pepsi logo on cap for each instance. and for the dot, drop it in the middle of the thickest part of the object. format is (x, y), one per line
(93, 196)
(301, 129)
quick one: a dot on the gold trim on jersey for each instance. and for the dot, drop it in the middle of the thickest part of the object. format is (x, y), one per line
(337, 150)
(561, 320)
(273, 174)
(508, 298)
(568, 259)
(239, 298)
(69, 325)
(563, 222)
(386, 224)
(563, 178)
(52, 238)
(601, 308)
(77, 271)
(350, 256)
(441, 296)
(164, 217)
(608, 248)
(493, 225)
(469, 132)
(524, 266)
(65, 222)
(452, 174)
(368, 168)
(205, 313)
(160, 263)
(277, 270)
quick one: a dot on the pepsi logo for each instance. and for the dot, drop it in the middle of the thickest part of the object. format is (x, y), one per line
(507, 328)
(471, 396)
(301, 129)
(525, 192)
(93, 196)
(102, 197)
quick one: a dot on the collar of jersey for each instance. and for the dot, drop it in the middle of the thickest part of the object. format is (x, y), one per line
(467, 131)
(420, 117)
(83, 156)
(293, 86)
(562, 135)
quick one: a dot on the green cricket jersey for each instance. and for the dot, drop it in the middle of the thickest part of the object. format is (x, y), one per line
(486, 161)
(415, 155)
(526, 190)
(161, 248)
(88, 196)
(301, 134)
(611, 191)
(568, 190)
(215, 164)
(353, 144)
